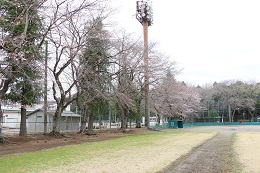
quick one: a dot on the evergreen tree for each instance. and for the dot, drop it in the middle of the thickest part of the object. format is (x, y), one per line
(21, 26)
(94, 79)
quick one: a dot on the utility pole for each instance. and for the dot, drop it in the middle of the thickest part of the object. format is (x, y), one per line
(45, 88)
(145, 16)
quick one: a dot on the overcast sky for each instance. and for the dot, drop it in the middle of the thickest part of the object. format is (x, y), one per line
(212, 40)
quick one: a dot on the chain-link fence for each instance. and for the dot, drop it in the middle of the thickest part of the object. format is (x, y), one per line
(38, 127)
(210, 119)
(63, 126)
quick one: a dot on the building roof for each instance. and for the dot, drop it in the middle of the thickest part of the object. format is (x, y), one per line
(14, 109)
(64, 113)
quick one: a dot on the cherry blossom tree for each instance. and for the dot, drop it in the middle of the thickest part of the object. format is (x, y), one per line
(171, 98)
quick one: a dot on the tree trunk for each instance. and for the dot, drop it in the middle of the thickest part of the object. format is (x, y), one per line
(123, 119)
(110, 117)
(83, 120)
(99, 120)
(233, 114)
(130, 124)
(1, 115)
(138, 117)
(158, 118)
(23, 130)
(56, 121)
(252, 116)
(90, 123)
(229, 113)
(138, 121)
(127, 118)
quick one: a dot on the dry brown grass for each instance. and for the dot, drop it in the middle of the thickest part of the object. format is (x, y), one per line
(247, 146)
(147, 158)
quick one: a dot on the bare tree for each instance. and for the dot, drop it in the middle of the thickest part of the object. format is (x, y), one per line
(129, 87)
(121, 75)
(68, 36)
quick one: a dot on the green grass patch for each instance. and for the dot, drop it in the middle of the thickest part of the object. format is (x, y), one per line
(59, 156)
(231, 159)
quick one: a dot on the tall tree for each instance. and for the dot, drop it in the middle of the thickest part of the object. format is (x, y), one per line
(174, 99)
(26, 90)
(94, 78)
(123, 69)
(234, 95)
(68, 37)
(21, 27)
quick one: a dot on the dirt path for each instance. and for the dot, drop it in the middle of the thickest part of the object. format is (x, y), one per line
(30, 143)
(211, 157)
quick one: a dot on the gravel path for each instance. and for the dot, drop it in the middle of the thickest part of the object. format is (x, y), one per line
(214, 156)
(208, 158)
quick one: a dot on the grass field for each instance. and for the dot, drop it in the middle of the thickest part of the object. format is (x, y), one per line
(247, 146)
(137, 153)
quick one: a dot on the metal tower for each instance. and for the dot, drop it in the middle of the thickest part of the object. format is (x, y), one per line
(144, 15)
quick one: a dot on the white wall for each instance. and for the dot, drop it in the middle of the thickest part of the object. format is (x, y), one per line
(11, 118)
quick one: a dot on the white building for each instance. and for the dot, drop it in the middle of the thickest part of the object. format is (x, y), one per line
(12, 113)
(12, 117)
(69, 121)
